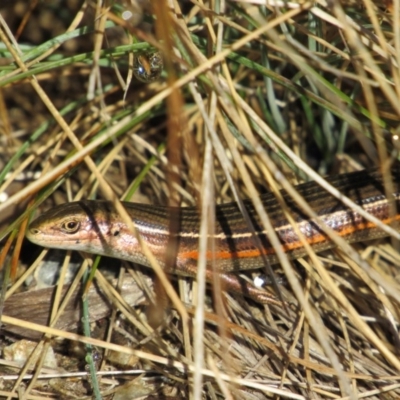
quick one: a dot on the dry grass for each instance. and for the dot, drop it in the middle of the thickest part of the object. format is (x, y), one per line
(247, 91)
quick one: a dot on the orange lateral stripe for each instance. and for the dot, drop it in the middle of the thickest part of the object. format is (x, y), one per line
(253, 253)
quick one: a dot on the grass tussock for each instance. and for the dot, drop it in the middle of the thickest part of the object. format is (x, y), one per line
(252, 98)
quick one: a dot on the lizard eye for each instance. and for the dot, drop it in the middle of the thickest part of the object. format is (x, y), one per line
(70, 226)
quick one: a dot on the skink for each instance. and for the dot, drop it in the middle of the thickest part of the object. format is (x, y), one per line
(95, 227)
